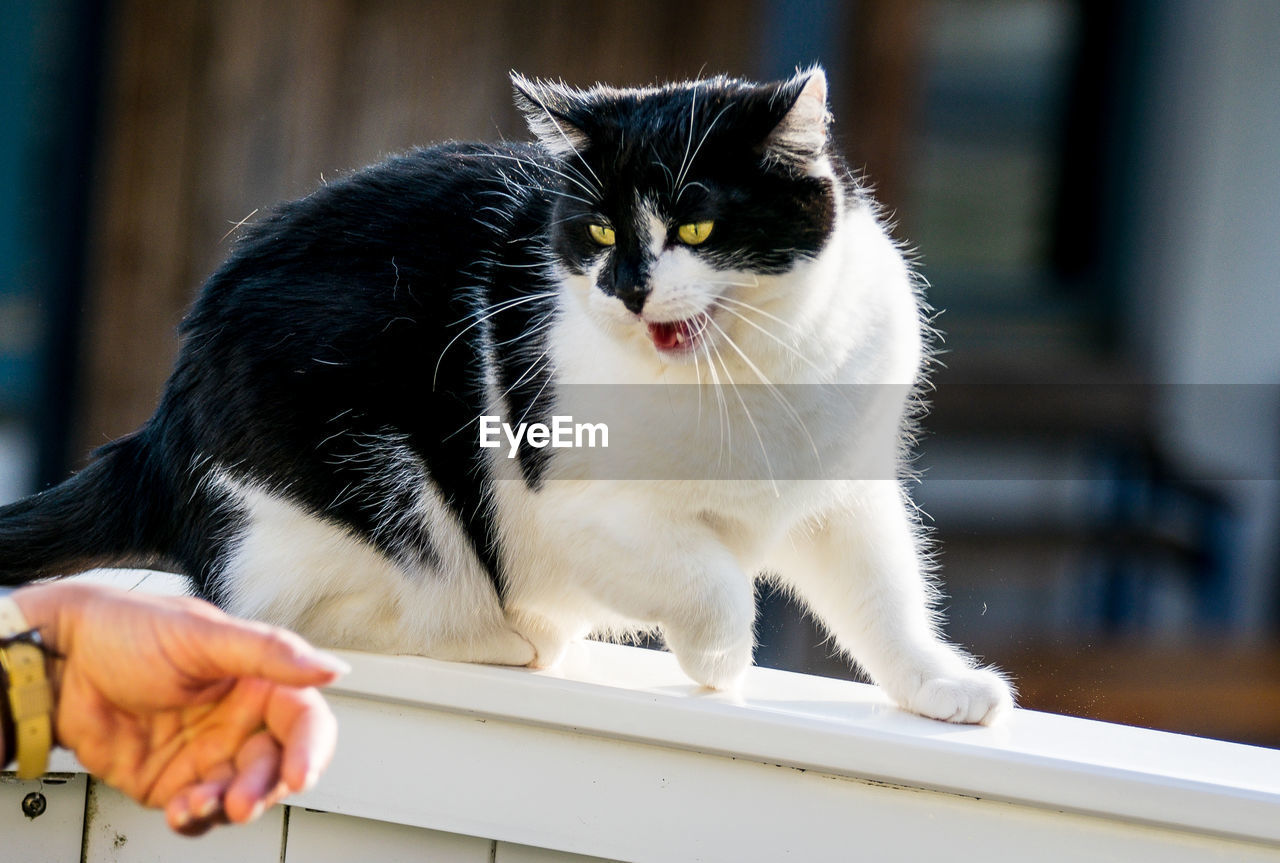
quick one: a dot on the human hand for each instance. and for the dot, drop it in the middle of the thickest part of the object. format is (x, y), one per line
(181, 706)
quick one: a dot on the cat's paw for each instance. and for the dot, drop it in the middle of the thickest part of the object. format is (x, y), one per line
(715, 668)
(549, 640)
(499, 647)
(970, 696)
(548, 651)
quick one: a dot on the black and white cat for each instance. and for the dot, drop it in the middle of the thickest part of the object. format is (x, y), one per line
(315, 460)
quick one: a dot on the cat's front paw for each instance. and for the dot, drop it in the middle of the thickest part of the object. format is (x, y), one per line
(499, 647)
(715, 668)
(972, 696)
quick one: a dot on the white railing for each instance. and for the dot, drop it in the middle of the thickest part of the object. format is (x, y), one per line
(616, 755)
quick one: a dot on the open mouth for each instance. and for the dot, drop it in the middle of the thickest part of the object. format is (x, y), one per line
(678, 336)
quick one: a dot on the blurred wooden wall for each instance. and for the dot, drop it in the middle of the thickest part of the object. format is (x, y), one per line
(216, 109)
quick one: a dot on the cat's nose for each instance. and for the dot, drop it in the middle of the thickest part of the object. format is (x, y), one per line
(633, 297)
(629, 282)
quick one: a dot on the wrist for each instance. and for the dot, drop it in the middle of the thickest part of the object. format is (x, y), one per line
(51, 608)
(44, 606)
(8, 733)
(24, 660)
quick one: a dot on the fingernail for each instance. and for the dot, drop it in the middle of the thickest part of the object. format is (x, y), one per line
(313, 776)
(182, 818)
(332, 663)
(257, 810)
(207, 808)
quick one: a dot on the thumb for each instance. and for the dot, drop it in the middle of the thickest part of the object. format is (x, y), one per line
(225, 646)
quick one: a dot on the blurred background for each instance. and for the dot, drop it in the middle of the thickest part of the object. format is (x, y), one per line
(1093, 190)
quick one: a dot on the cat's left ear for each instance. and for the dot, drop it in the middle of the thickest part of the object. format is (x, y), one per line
(800, 136)
(549, 108)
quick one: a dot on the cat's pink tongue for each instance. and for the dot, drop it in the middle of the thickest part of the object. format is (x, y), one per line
(677, 335)
(666, 335)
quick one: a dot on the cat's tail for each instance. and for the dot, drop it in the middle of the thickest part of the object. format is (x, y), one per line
(102, 516)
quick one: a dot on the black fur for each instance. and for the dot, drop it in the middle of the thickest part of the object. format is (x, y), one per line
(368, 312)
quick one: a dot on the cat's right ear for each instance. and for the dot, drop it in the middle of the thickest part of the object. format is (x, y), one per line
(548, 107)
(800, 136)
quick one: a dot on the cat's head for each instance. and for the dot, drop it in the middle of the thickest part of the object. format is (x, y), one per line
(673, 199)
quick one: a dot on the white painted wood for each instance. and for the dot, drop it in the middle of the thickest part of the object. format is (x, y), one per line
(616, 756)
(508, 853)
(52, 837)
(121, 831)
(321, 837)
(849, 729)
(142, 580)
(631, 801)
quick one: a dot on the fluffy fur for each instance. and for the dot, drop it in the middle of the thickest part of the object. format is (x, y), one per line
(314, 459)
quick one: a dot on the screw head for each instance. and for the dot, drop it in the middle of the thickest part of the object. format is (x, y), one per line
(34, 804)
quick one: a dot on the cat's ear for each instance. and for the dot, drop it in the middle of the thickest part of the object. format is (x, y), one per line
(548, 107)
(800, 136)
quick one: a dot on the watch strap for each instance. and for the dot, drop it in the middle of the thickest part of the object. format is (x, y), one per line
(30, 697)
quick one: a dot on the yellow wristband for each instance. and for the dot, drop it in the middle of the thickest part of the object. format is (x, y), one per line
(30, 698)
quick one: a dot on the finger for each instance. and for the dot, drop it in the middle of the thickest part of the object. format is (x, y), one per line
(125, 765)
(305, 726)
(257, 782)
(227, 647)
(218, 728)
(174, 759)
(179, 775)
(197, 826)
(199, 806)
(194, 604)
(181, 820)
(202, 746)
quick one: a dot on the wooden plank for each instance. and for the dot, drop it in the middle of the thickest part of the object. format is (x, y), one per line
(617, 739)
(577, 793)
(54, 834)
(118, 830)
(322, 837)
(505, 852)
(615, 755)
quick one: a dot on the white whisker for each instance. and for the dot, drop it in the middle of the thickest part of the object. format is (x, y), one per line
(239, 224)
(772, 390)
(764, 450)
(722, 408)
(791, 349)
(488, 313)
(680, 180)
(578, 180)
(759, 311)
(567, 139)
(688, 143)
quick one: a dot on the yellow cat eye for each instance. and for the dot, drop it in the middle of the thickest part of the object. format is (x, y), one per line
(694, 233)
(602, 234)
